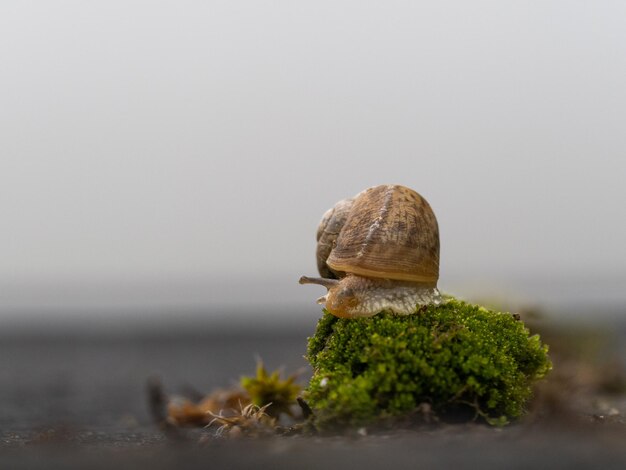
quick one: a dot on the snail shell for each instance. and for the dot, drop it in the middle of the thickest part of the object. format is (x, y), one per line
(378, 251)
(390, 232)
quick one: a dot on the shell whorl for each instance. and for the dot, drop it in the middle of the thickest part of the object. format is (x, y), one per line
(328, 230)
(387, 231)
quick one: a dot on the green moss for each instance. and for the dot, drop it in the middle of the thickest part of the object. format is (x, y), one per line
(271, 391)
(452, 356)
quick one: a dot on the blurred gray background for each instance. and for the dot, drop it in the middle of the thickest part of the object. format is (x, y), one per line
(159, 156)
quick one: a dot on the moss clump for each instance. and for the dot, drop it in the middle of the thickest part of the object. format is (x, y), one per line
(270, 391)
(452, 356)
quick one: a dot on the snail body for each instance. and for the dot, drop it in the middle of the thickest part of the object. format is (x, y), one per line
(378, 251)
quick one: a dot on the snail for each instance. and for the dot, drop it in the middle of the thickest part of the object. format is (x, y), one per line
(378, 251)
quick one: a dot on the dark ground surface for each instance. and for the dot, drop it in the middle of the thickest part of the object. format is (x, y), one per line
(78, 396)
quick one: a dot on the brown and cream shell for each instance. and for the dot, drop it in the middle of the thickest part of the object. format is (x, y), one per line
(387, 231)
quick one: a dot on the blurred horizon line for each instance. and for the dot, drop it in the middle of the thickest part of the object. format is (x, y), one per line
(198, 295)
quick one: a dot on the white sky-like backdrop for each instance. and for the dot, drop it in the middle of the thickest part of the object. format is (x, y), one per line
(181, 153)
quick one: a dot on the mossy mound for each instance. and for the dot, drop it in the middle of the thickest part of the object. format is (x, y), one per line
(452, 356)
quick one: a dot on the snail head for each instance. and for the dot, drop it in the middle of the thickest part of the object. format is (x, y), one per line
(341, 298)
